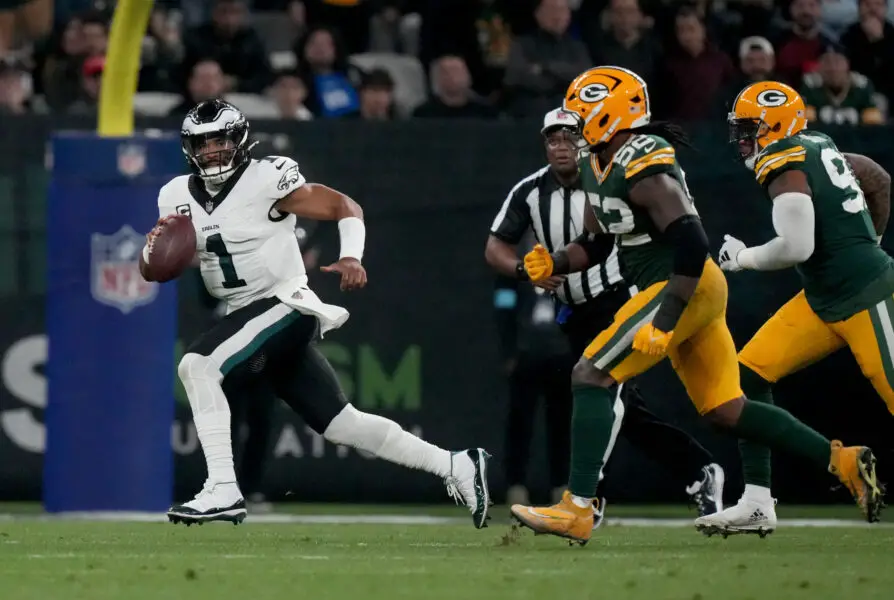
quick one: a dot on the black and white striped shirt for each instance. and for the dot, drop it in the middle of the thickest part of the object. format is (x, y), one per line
(556, 214)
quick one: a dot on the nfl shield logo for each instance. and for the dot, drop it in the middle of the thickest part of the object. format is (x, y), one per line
(115, 278)
(131, 159)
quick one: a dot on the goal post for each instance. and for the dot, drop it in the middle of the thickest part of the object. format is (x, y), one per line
(122, 68)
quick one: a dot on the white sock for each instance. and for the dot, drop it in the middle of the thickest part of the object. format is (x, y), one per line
(582, 502)
(757, 493)
(387, 440)
(201, 379)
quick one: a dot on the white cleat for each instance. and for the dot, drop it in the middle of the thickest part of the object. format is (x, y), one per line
(598, 512)
(748, 516)
(467, 483)
(218, 501)
(707, 493)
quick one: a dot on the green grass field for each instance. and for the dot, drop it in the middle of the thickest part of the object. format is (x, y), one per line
(49, 558)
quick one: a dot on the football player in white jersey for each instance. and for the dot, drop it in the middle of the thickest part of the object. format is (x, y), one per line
(244, 211)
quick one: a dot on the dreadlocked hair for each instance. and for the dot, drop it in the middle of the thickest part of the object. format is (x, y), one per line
(672, 132)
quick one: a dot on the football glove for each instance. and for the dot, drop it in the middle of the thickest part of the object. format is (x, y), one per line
(538, 263)
(652, 341)
(729, 251)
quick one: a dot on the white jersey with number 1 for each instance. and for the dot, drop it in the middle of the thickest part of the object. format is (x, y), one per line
(247, 248)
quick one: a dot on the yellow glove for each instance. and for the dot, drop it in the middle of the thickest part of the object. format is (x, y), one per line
(538, 263)
(652, 341)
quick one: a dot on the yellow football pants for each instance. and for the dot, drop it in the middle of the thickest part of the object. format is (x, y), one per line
(796, 337)
(702, 351)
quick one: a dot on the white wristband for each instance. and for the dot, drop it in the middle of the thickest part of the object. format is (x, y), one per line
(146, 254)
(352, 233)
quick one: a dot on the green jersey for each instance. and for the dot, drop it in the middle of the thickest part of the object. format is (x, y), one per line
(848, 272)
(853, 105)
(645, 256)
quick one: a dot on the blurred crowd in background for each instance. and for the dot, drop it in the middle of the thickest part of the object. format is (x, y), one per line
(396, 59)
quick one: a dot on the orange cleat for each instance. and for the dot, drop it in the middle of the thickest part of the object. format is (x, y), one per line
(855, 468)
(565, 519)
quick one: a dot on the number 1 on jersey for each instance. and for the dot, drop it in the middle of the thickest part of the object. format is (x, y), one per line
(215, 244)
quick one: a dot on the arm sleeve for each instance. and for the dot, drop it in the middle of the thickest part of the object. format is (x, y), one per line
(793, 220)
(514, 217)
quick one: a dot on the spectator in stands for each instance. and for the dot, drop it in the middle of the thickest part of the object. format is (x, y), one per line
(542, 64)
(162, 53)
(627, 43)
(15, 92)
(870, 46)
(755, 16)
(836, 95)
(91, 83)
(453, 95)
(60, 76)
(696, 71)
(494, 28)
(206, 82)
(449, 27)
(329, 78)
(395, 26)
(289, 94)
(349, 17)
(24, 21)
(297, 14)
(377, 96)
(836, 15)
(799, 48)
(234, 45)
(756, 63)
(95, 33)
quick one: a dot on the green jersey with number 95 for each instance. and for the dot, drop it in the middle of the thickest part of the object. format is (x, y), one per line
(848, 271)
(645, 257)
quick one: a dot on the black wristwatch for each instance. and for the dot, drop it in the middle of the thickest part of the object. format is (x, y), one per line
(520, 273)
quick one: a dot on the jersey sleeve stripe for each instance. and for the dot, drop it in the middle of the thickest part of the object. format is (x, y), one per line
(650, 155)
(776, 155)
(770, 167)
(667, 160)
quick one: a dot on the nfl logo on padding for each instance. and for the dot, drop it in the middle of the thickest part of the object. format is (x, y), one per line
(131, 159)
(115, 278)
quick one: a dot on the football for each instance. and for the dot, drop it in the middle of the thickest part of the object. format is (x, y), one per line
(173, 250)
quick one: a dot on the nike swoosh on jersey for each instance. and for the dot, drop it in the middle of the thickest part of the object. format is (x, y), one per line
(280, 166)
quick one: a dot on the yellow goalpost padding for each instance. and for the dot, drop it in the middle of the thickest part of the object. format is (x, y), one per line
(122, 68)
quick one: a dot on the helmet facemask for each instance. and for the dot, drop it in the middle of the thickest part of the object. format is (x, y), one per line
(213, 154)
(747, 133)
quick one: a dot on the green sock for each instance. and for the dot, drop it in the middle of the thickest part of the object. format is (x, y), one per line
(755, 457)
(591, 430)
(771, 426)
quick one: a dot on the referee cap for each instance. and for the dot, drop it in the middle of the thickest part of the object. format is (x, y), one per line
(558, 117)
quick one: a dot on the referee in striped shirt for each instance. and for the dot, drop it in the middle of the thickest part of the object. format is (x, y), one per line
(552, 203)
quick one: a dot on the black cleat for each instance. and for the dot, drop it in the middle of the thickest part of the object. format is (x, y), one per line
(181, 513)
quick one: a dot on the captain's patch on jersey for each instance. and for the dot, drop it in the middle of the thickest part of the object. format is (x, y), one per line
(185, 210)
(289, 178)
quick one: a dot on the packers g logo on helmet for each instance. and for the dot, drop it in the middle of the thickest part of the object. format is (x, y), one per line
(595, 92)
(607, 100)
(763, 113)
(772, 98)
